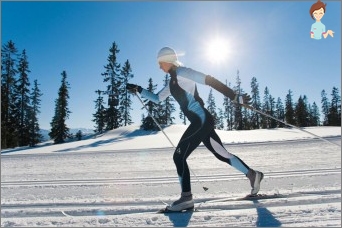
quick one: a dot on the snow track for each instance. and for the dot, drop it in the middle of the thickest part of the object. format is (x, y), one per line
(129, 207)
(169, 179)
(126, 188)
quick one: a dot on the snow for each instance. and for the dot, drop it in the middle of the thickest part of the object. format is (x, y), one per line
(120, 178)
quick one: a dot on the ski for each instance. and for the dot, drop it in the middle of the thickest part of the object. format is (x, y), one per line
(249, 197)
(165, 210)
(261, 196)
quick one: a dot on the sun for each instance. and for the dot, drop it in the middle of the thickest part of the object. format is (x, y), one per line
(217, 50)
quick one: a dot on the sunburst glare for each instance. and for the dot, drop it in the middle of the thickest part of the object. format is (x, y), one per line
(217, 50)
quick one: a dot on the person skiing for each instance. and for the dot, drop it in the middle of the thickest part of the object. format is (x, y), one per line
(182, 86)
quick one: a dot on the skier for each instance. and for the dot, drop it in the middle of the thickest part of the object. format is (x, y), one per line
(182, 87)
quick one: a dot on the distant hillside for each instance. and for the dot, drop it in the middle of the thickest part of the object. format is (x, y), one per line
(85, 131)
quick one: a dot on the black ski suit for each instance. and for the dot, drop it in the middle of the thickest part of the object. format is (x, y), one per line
(182, 87)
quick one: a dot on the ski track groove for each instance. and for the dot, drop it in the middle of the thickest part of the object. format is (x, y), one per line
(151, 207)
(119, 210)
(168, 179)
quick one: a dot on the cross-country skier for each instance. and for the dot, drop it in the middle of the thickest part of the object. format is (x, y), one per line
(182, 87)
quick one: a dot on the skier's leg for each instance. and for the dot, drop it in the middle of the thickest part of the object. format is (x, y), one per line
(188, 143)
(214, 144)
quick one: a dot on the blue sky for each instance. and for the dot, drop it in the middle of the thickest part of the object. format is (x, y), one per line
(267, 40)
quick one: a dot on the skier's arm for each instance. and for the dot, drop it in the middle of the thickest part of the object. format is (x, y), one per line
(219, 86)
(156, 98)
(225, 90)
(214, 83)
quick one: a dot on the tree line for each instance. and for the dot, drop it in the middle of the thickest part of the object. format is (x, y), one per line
(228, 116)
(20, 104)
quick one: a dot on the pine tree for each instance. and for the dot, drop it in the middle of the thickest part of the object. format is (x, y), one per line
(113, 77)
(59, 130)
(266, 108)
(8, 77)
(246, 123)
(220, 117)
(168, 104)
(100, 115)
(79, 135)
(124, 95)
(255, 117)
(280, 113)
(289, 110)
(238, 125)
(212, 106)
(314, 115)
(301, 113)
(334, 116)
(228, 111)
(325, 108)
(34, 129)
(166, 107)
(273, 122)
(182, 117)
(22, 104)
(148, 122)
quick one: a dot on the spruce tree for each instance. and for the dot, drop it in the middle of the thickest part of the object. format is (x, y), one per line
(182, 117)
(266, 108)
(228, 111)
(325, 108)
(289, 109)
(114, 79)
(22, 104)
(34, 129)
(168, 106)
(273, 122)
(148, 122)
(280, 113)
(212, 106)
(246, 116)
(59, 130)
(335, 108)
(124, 96)
(8, 78)
(255, 117)
(100, 115)
(314, 115)
(220, 118)
(238, 122)
(301, 114)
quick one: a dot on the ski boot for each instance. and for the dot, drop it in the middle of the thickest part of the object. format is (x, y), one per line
(255, 178)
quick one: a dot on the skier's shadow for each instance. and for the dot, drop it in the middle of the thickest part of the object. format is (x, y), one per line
(265, 217)
(180, 219)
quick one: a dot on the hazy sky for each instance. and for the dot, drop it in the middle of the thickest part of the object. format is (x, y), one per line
(267, 40)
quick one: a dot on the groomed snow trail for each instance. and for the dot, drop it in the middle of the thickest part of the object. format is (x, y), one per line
(126, 188)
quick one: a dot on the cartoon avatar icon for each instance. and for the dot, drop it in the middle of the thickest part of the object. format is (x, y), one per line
(317, 12)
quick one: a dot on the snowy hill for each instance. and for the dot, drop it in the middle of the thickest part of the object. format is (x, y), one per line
(132, 137)
(122, 177)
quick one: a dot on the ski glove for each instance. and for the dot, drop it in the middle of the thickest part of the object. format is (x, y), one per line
(133, 88)
(242, 99)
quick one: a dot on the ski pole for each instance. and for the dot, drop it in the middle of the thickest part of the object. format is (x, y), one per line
(265, 114)
(204, 188)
